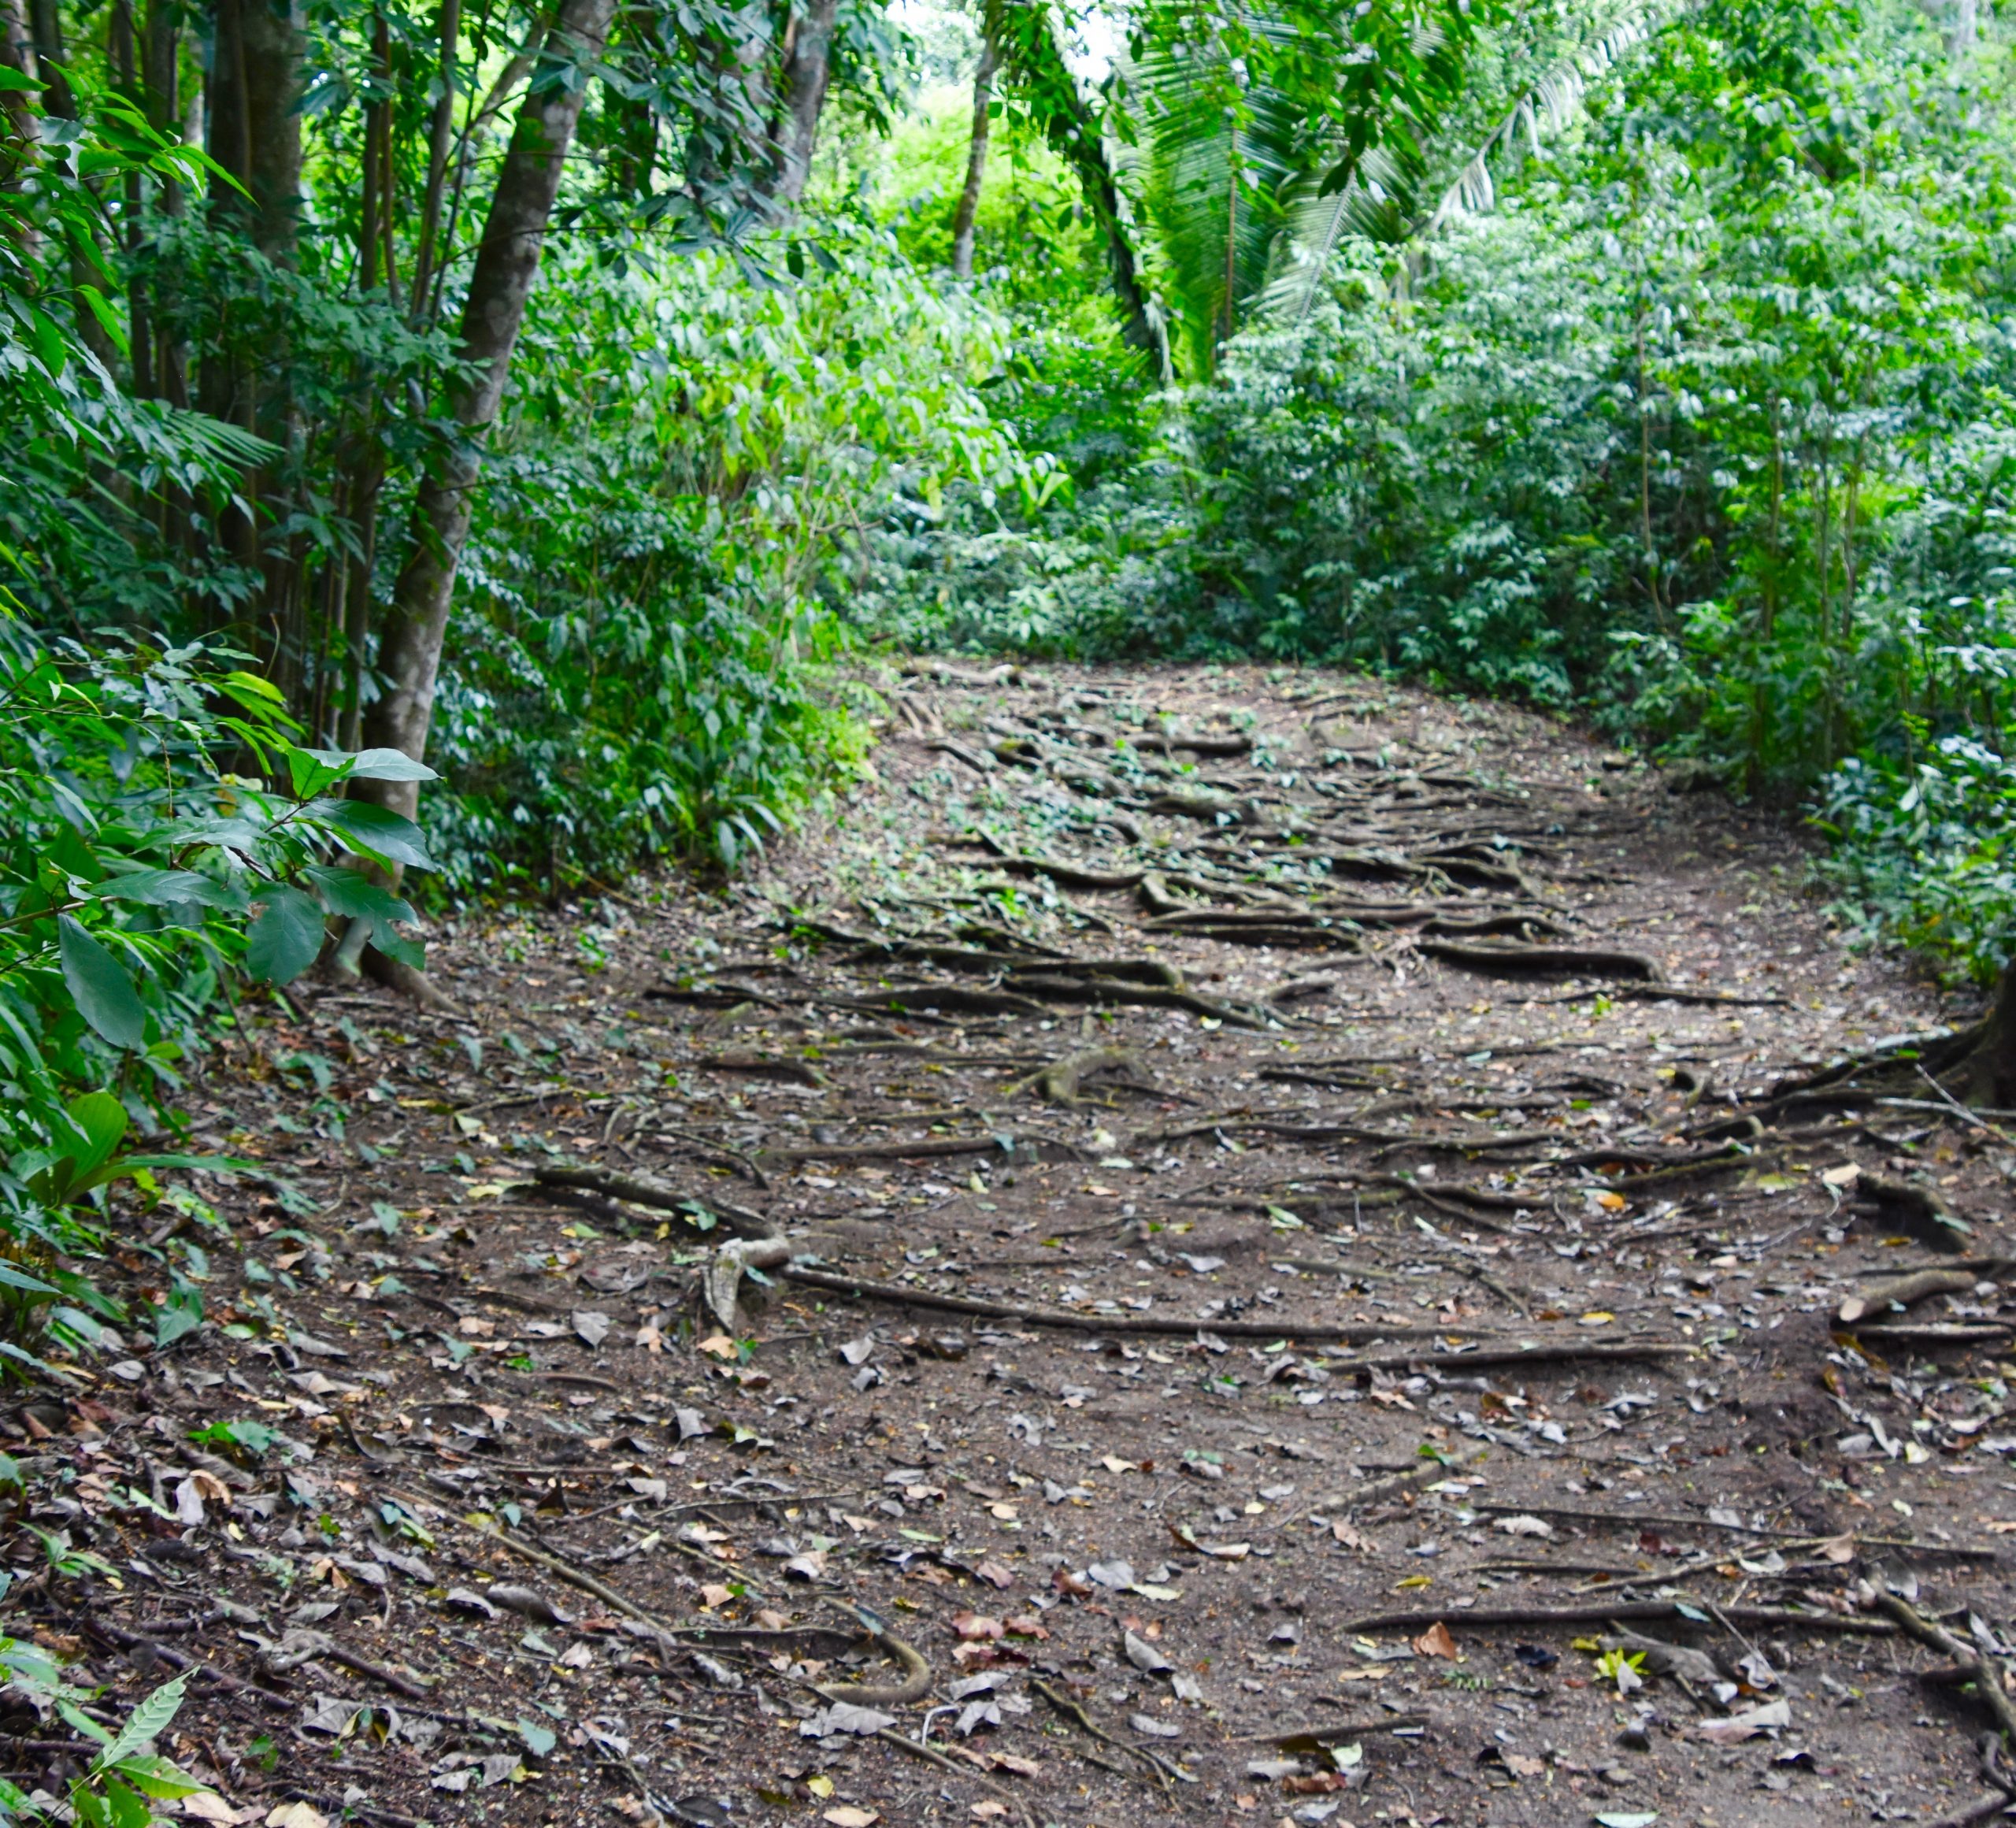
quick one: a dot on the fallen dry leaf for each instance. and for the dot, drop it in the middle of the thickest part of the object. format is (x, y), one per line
(1748, 1725)
(297, 1815)
(1435, 1641)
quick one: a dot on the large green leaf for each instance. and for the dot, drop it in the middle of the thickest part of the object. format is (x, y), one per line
(102, 1119)
(375, 831)
(147, 1721)
(154, 1776)
(352, 894)
(285, 936)
(11, 1277)
(375, 764)
(101, 989)
(170, 888)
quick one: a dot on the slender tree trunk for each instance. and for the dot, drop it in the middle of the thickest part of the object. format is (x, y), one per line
(273, 42)
(357, 597)
(1072, 126)
(46, 28)
(58, 98)
(1645, 480)
(16, 53)
(506, 264)
(223, 379)
(388, 165)
(1228, 315)
(1960, 40)
(968, 213)
(121, 52)
(256, 89)
(159, 48)
(440, 136)
(808, 67)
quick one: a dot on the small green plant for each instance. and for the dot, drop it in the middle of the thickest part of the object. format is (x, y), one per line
(126, 1777)
(242, 1439)
(1625, 1667)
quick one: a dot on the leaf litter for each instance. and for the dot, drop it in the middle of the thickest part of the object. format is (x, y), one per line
(1366, 1359)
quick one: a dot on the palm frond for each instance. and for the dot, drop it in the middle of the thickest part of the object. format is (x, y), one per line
(1376, 203)
(1224, 161)
(1380, 200)
(1552, 103)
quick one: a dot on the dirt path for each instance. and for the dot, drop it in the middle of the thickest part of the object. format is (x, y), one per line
(1296, 1245)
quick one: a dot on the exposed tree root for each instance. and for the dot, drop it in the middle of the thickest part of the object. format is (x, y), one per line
(1919, 1210)
(1986, 1673)
(1060, 1081)
(1900, 1293)
(650, 1193)
(1636, 1611)
(415, 985)
(1544, 960)
(763, 1066)
(1976, 1064)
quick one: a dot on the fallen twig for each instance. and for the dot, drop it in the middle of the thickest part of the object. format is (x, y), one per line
(1483, 1617)
(1987, 1674)
(1071, 1710)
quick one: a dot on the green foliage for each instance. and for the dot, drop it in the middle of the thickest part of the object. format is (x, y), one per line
(1926, 852)
(125, 1776)
(143, 868)
(645, 660)
(1248, 114)
(248, 1439)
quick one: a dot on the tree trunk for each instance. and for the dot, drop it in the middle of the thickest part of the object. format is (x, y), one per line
(255, 120)
(969, 210)
(1976, 1064)
(45, 28)
(274, 43)
(58, 98)
(808, 67)
(1072, 126)
(1984, 1055)
(123, 54)
(255, 137)
(16, 53)
(439, 139)
(160, 50)
(506, 264)
(1960, 40)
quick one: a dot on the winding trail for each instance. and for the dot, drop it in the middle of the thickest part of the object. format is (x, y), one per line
(1293, 1237)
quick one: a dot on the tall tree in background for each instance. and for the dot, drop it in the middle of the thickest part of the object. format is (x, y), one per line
(808, 70)
(967, 215)
(1049, 92)
(493, 313)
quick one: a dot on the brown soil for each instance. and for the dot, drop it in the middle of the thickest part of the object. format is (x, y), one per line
(1330, 1192)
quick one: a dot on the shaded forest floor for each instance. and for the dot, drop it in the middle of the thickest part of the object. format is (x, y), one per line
(1308, 1308)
